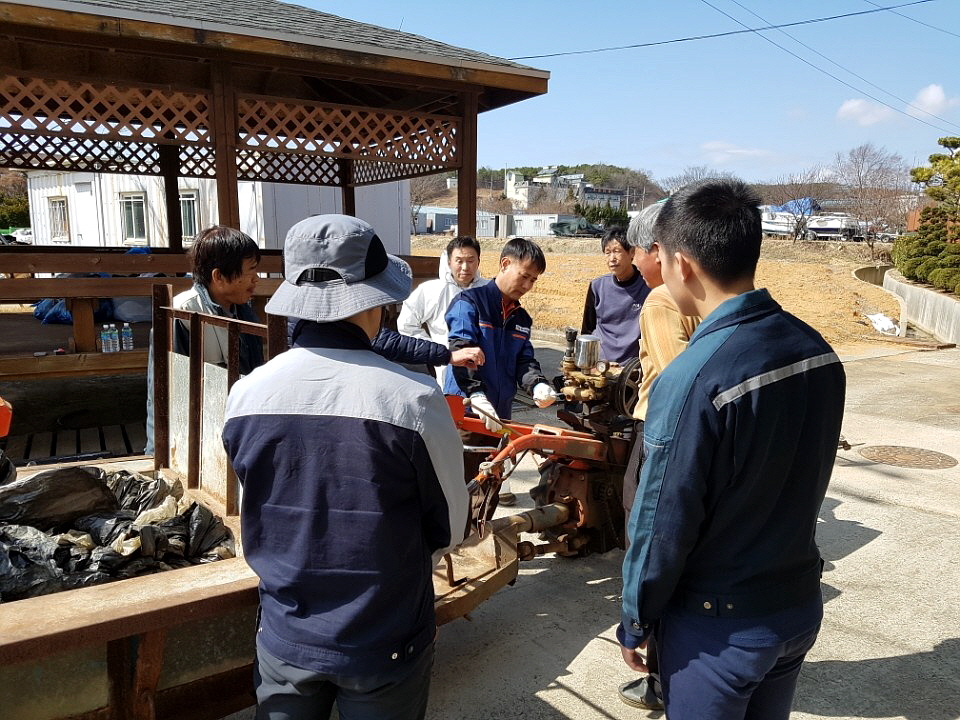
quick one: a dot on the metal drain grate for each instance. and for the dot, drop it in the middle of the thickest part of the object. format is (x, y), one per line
(909, 457)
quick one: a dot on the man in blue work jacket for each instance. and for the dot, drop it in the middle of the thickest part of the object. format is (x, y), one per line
(490, 317)
(740, 438)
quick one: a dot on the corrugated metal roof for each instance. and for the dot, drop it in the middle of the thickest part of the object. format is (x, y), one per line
(285, 21)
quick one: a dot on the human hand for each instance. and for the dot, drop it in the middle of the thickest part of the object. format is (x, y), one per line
(469, 357)
(479, 402)
(543, 395)
(633, 658)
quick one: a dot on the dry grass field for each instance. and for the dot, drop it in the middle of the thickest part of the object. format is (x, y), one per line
(812, 280)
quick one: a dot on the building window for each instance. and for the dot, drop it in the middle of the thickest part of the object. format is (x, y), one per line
(518, 226)
(59, 220)
(538, 224)
(133, 211)
(188, 215)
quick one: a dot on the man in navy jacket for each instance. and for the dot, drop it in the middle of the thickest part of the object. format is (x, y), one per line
(490, 317)
(740, 437)
(352, 488)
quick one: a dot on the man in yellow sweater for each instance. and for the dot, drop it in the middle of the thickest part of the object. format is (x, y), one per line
(664, 334)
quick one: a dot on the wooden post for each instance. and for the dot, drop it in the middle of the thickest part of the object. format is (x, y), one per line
(170, 167)
(224, 107)
(467, 174)
(84, 328)
(347, 190)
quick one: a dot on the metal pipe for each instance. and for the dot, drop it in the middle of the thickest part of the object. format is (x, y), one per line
(541, 518)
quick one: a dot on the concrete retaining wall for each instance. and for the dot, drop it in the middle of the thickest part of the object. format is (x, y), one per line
(930, 310)
(872, 274)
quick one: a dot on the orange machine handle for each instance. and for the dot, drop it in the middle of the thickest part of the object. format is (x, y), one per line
(6, 415)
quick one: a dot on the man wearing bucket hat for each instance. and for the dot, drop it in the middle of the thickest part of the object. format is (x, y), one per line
(352, 488)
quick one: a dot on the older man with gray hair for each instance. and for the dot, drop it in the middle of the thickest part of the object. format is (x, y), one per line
(664, 334)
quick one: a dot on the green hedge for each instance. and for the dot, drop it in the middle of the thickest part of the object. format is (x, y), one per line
(932, 255)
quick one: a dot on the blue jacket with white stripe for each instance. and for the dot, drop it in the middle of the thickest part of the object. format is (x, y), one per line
(352, 479)
(475, 319)
(740, 437)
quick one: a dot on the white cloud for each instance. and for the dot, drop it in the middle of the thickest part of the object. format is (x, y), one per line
(863, 112)
(718, 152)
(931, 100)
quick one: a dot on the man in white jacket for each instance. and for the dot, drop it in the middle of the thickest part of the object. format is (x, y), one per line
(422, 313)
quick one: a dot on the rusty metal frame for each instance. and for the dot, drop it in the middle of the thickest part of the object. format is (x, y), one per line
(274, 332)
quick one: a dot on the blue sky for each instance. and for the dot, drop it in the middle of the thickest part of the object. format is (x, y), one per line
(735, 103)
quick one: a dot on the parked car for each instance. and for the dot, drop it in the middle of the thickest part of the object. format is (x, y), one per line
(24, 236)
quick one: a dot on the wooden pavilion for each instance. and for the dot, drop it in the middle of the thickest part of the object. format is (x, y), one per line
(245, 90)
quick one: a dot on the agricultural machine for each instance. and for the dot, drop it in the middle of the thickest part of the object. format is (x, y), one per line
(579, 507)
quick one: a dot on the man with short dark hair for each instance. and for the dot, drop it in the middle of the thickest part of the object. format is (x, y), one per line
(352, 488)
(223, 262)
(740, 437)
(224, 265)
(490, 317)
(611, 310)
(422, 314)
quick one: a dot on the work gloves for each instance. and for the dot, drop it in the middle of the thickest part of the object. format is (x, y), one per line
(543, 395)
(485, 411)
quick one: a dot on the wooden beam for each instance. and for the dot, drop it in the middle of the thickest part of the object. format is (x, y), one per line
(51, 259)
(18, 289)
(224, 112)
(467, 174)
(84, 328)
(52, 624)
(78, 365)
(347, 190)
(24, 288)
(170, 167)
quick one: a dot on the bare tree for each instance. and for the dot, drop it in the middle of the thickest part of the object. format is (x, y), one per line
(793, 194)
(875, 183)
(422, 190)
(692, 173)
(499, 204)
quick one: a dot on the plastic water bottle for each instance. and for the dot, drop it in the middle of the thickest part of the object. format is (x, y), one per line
(105, 338)
(126, 337)
(114, 338)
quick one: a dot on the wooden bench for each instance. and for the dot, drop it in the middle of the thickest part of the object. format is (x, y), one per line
(83, 356)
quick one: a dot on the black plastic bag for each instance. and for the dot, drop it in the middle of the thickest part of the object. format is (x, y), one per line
(23, 576)
(106, 527)
(207, 531)
(138, 493)
(8, 472)
(55, 497)
(153, 542)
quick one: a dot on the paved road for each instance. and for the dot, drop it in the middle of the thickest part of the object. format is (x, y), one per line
(890, 644)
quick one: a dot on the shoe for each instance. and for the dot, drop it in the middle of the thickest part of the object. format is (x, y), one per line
(508, 499)
(643, 693)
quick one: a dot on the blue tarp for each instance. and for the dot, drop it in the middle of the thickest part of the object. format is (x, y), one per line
(800, 206)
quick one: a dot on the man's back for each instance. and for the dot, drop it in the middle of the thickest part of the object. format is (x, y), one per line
(348, 464)
(741, 440)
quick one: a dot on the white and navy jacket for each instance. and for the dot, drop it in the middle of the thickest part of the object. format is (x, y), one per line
(740, 439)
(352, 479)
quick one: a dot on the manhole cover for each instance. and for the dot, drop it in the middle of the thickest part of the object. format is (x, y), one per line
(910, 457)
